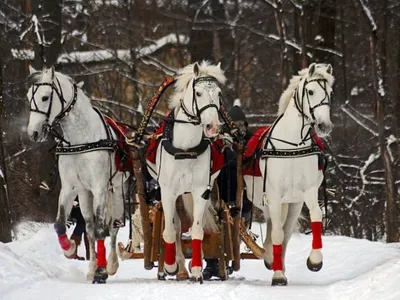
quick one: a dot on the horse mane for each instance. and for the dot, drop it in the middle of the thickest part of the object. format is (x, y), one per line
(320, 72)
(185, 75)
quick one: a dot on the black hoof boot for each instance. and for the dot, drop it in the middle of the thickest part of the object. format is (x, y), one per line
(267, 265)
(279, 282)
(314, 267)
(161, 276)
(100, 276)
(172, 273)
(197, 279)
(212, 269)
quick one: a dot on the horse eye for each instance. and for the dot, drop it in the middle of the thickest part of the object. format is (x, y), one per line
(45, 98)
(198, 94)
(310, 92)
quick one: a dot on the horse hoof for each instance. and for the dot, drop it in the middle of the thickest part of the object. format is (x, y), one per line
(173, 273)
(279, 282)
(161, 276)
(314, 267)
(197, 279)
(100, 276)
(267, 265)
(181, 276)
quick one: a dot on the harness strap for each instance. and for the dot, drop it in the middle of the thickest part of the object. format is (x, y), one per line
(191, 153)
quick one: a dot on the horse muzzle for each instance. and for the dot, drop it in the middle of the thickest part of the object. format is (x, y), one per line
(323, 129)
(211, 130)
(38, 136)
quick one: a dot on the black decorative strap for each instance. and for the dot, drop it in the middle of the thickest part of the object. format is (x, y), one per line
(83, 148)
(264, 153)
(191, 153)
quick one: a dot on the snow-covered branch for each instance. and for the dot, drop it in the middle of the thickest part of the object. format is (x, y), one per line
(358, 121)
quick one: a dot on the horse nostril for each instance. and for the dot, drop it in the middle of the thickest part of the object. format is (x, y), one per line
(35, 136)
(208, 126)
(321, 127)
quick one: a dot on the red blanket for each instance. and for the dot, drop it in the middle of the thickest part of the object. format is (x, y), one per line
(123, 159)
(252, 166)
(217, 156)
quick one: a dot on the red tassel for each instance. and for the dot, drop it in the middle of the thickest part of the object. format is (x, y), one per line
(316, 228)
(65, 243)
(101, 254)
(277, 261)
(196, 253)
(170, 253)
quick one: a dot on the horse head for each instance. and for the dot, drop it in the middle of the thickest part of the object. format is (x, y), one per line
(46, 97)
(199, 94)
(316, 91)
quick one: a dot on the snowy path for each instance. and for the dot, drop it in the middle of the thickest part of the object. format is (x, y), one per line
(34, 268)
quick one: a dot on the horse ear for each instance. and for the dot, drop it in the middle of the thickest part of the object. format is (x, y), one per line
(196, 69)
(31, 70)
(219, 65)
(329, 69)
(311, 69)
(80, 84)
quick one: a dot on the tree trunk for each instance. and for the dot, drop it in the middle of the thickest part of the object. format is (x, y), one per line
(5, 219)
(280, 26)
(379, 95)
(201, 41)
(47, 50)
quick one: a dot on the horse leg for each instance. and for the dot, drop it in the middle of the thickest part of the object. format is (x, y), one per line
(117, 217)
(275, 210)
(86, 205)
(169, 233)
(199, 207)
(100, 201)
(183, 274)
(314, 261)
(66, 198)
(268, 241)
(293, 213)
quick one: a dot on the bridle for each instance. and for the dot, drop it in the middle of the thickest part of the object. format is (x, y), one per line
(299, 101)
(64, 110)
(211, 83)
(299, 104)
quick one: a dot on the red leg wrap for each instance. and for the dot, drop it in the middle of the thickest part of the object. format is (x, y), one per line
(170, 253)
(316, 228)
(101, 254)
(196, 253)
(65, 243)
(277, 261)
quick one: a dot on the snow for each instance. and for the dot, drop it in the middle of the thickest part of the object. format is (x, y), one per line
(106, 54)
(33, 267)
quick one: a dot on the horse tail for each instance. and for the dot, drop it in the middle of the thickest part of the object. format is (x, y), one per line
(209, 221)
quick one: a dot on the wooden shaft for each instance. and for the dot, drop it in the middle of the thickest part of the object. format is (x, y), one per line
(238, 204)
(144, 208)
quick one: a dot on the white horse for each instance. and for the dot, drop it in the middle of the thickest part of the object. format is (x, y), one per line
(86, 164)
(183, 162)
(289, 167)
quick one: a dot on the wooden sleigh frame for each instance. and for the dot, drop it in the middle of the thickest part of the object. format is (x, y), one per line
(223, 244)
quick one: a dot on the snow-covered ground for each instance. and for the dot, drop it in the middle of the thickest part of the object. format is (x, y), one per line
(33, 267)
